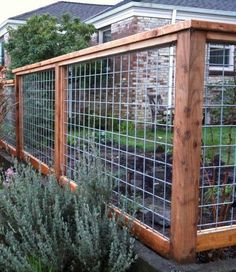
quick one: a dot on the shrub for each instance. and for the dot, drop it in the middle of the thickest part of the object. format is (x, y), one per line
(47, 228)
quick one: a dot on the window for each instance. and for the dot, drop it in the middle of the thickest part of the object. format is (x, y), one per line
(221, 57)
(1, 54)
(104, 35)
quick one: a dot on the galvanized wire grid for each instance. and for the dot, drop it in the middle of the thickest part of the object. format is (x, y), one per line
(123, 105)
(9, 133)
(38, 115)
(218, 169)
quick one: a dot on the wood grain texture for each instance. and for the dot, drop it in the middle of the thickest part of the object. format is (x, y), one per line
(216, 238)
(63, 180)
(9, 82)
(212, 26)
(7, 147)
(60, 117)
(19, 116)
(160, 41)
(36, 68)
(57, 131)
(147, 235)
(37, 164)
(221, 37)
(187, 144)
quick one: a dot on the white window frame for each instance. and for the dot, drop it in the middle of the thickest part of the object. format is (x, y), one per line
(100, 34)
(228, 68)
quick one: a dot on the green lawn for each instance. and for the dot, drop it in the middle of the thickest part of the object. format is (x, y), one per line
(139, 139)
(212, 138)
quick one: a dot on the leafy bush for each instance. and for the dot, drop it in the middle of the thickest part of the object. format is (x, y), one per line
(47, 228)
(46, 38)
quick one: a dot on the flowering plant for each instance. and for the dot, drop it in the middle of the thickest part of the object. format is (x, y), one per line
(9, 174)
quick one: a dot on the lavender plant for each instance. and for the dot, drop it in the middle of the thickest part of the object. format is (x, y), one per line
(44, 227)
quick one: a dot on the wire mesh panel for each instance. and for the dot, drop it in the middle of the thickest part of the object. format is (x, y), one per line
(38, 114)
(9, 133)
(124, 105)
(218, 170)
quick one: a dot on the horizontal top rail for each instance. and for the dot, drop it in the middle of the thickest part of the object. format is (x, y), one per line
(142, 40)
(9, 82)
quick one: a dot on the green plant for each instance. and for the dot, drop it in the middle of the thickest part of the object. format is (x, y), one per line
(37, 266)
(45, 227)
(46, 38)
(127, 127)
(222, 115)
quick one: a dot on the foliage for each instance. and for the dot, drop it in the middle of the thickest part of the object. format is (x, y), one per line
(224, 95)
(5, 106)
(43, 37)
(47, 228)
(127, 127)
(219, 137)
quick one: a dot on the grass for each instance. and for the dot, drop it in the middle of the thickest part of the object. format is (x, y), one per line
(144, 141)
(220, 141)
(212, 137)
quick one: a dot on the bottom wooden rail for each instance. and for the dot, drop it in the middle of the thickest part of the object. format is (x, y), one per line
(216, 238)
(64, 180)
(206, 239)
(36, 163)
(10, 149)
(146, 235)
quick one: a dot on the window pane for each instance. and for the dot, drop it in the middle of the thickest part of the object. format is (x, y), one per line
(1, 54)
(106, 35)
(219, 56)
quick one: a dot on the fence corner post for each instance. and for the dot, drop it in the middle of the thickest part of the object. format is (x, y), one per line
(190, 64)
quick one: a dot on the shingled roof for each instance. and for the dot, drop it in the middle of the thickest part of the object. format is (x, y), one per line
(75, 9)
(227, 5)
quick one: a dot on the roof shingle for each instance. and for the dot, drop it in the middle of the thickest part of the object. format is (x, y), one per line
(226, 5)
(75, 9)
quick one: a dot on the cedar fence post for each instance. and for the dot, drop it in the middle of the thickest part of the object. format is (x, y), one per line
(60, 139)
(190, 65)
(19, 117)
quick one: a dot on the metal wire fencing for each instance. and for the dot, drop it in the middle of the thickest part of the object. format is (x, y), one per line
(124, 106)
(9, 133)
(218, 169)
(38, 114)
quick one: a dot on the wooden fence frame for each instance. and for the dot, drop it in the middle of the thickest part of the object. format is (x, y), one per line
(190, 38)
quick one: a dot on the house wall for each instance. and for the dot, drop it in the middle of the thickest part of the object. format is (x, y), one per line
(144, 81)
(152, 77)
(143, 86)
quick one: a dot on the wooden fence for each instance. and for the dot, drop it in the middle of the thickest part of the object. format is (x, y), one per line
(70, 114)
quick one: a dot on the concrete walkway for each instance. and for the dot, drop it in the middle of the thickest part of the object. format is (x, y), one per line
(149, 261)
